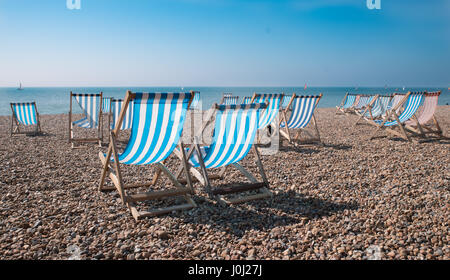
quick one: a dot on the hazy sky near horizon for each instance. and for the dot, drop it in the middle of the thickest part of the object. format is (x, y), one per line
(225, 43)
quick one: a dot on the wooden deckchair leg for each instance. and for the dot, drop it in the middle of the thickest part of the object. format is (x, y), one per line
(436, 123)
(203, 168)
(105, 168)
(157, 174)
(120, 186)
(186, 167)
(405, 135)
(316, 128)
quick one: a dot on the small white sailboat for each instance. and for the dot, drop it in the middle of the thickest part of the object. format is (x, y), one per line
(20, 87)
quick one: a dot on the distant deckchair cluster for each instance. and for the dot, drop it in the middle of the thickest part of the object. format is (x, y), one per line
(402, 115)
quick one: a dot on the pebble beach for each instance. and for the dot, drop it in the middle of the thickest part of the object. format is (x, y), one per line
(351, 198)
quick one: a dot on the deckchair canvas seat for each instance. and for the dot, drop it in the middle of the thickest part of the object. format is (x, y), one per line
(426, 119)
(394, 119)
(302, 114)
(24, 114)
(157, 124)
(234, 134)
(91, 106)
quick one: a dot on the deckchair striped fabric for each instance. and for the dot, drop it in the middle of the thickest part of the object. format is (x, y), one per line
(106, 105)
(116, 107)
(395, 100)
(349, 101)
(286, 100)
(25, 113)
(234, 134)
(427, 110)
(247, 100)
(413, 103)
(302, 111)
(90, 104)
(230, 100)
(272, 110)
(380, 107)
(158, 120)
(363, 101)
(195, 100)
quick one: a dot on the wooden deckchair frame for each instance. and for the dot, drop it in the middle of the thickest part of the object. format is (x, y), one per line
(368, 109)
(353, 109)
(393, 114)
(113, 170)
(99, 138)
(340, 107)
(219, 193)
(286, 131)
(224, 95)
(423, 129)
(15, 125)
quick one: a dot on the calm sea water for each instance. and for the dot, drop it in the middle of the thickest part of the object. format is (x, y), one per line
(56, 100)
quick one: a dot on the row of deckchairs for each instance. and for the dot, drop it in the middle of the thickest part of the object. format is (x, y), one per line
(157, 124)
(403, 115)
(300, 110)
(158, 121)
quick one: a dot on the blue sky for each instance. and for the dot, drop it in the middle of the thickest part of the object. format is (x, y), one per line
(225, 43)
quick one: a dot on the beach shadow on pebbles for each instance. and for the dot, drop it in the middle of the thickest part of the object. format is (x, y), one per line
(284, 209)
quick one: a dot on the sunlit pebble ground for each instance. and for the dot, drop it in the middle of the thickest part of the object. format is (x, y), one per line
(351, 199)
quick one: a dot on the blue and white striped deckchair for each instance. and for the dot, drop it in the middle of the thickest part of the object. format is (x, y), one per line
(286, 101)
(247, 100)
(269, 114)
(158, 120)
(375, 109)
(347, 103)
(230, 100)
(234, 135)
(24, 114)
(116, 108)
(90, 105)
(413, 100)
(369, 103)
(303, 108)
(106, 105)
(361, 104)
(195, 101)
(380, 107)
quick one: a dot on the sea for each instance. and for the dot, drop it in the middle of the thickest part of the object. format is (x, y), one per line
(55, 100)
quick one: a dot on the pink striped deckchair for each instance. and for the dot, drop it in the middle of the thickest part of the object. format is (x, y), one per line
(422, 125)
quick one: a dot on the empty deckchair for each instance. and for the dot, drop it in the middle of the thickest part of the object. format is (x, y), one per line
(348, 101)
(195, 101)
(234, 134)
(361, 103)
(115, 109)
(106, 105)
(229, 100)
(398, 97)
(268, 115)
(394, 119)
(370, 103)
(423, 124)
(24, 114)
(375, 109)
(247, 100)
(157, 125)
(302, 113)
(91, 106)
(286, 101)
